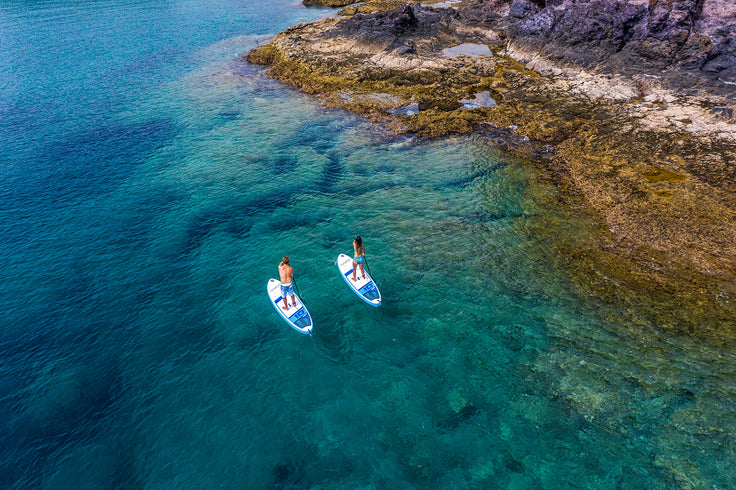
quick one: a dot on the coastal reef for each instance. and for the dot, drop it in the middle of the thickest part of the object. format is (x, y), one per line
(627, 107)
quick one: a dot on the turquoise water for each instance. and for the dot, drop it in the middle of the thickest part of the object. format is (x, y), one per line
(150, 183)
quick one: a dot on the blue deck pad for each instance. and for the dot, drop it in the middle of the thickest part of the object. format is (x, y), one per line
(300, 318)
(369, 290)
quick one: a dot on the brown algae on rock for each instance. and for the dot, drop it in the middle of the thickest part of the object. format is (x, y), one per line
(656, 174)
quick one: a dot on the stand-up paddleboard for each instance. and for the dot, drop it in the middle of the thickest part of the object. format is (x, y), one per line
(363, 286)
(297, 315)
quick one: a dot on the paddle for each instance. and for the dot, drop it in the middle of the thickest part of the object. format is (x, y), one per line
(365, 259)
(296, 288)
(301, 298)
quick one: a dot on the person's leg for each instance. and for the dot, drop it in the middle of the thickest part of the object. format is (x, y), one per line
(284, 293)
(362, 271)
(355, 269)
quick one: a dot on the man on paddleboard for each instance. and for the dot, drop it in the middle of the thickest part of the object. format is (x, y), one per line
(286, 274)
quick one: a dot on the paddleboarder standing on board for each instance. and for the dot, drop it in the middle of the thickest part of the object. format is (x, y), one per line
(359, 256)
(286, 274)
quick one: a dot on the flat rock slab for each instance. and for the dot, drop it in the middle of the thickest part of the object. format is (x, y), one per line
(468, 49)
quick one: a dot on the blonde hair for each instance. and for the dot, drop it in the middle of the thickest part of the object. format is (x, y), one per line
(285, 260)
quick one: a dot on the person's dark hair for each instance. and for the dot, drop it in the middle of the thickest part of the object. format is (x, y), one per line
(285, 260)
(358, 241)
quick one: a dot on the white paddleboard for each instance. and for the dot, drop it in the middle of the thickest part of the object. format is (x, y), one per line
(297, 315)
(363, 286)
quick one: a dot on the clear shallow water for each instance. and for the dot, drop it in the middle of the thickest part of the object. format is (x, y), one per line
(151, 182)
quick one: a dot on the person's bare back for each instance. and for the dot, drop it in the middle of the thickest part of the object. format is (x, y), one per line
(286, 273)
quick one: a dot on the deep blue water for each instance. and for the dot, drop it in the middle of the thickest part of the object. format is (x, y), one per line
(151, 180)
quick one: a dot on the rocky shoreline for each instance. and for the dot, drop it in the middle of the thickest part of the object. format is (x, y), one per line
(628, 106)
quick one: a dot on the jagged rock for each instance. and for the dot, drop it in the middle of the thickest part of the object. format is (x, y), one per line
(406, 49)
(692, 41)
(521, 9)
(398, 23)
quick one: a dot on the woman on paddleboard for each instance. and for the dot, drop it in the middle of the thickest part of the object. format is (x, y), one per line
(358, 256)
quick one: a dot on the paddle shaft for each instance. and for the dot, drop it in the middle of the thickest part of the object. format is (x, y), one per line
(365, 259)
(301, 298)
(296, 288)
